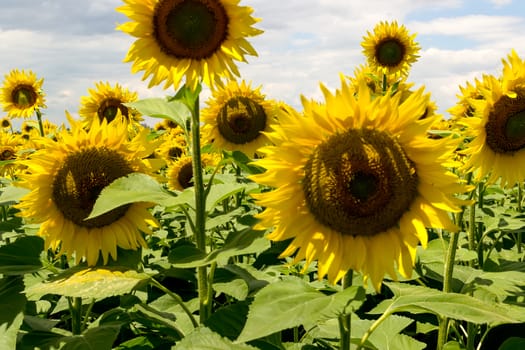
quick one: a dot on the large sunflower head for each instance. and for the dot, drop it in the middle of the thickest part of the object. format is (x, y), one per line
(194, 39)
(65, 179)
(22, 93)
(236, 118)
(497, 128)
(108, 102)
(356, 181)
(390, 48)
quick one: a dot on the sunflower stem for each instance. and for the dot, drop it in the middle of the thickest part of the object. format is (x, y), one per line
(40, 124)
(200, 211)
(75, 308)
(345, 320)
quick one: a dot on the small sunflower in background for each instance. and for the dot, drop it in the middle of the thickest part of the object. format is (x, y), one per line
(356, 182)
(22, 93)
(108, 102)
(65, 179)
(10, 144)
(6, 125)
(173, 145)
(191, 39)
(390, 48)
(180, 172)
(497, 127)
(236, 118)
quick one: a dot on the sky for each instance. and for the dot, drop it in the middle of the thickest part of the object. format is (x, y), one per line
(73, 44)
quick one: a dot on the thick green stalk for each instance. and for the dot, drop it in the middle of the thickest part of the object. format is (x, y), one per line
(200, 211)
(346, 318)
(75, 308)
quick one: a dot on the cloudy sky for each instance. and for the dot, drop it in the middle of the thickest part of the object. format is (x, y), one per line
(73, 44)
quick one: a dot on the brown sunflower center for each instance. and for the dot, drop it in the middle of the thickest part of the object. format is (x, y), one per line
(359, 182)
(505, 127)
(7, 153)
(390, 52)
(185, 175)
(193, 29)
(6, 123)
(241, 120)
(175, 152)
(24, 96)
(109, 108)
(80, 180)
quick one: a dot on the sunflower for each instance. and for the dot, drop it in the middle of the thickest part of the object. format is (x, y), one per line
(356, 182)
(22, 93)
(5, 124)
(108, 102)
(9, 147)
(390, 49)
(236, 118)
(173, 145)
(497, 128)
(180, 171)
(195, 39)
(65, 179)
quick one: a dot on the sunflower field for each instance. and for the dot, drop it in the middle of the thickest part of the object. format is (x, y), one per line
(364, 220)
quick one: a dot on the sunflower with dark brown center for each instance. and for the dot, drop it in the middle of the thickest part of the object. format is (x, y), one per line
(390, 48)
(66, 178)
(107, 102)
(356, 182)
(497, 127)
(194, 39)
(21, 93)
(236, 118)
(180, 172)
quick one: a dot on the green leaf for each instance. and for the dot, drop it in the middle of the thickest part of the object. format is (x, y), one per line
(219, 192)
(205, 339)
(417, 300)
(135, 187)
(293, 302)
(97, 283)
(99, 338)
(22, 256)
(513, 343)
(9, 332)
(156, 107)
(229, 321)
(12, 194)
(237, 243)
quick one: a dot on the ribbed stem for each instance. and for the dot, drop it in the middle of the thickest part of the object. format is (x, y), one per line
(346, 318)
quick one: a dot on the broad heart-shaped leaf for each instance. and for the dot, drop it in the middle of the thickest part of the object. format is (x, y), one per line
(12, 194)
(12, 301)
(97, 283)
(219, 192)
(21, 256)
(99, 338)
(157, 107)
(293, 302)
(205, 339)
(135, 187)
(242, 242)
(417, 299)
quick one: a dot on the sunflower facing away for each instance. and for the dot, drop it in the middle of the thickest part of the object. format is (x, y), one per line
(65, 179)
(390, 49)
(195, 39)
(237, 117)
(497, 128)
(22, 93)
(356, 182)
(107, 102)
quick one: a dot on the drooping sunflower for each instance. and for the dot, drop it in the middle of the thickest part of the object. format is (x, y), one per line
(356, 182)
(108, 102)
(195, 39)
(65, 179)
(390, 48)
(497, 128)
(236, 118)
(22, 93)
